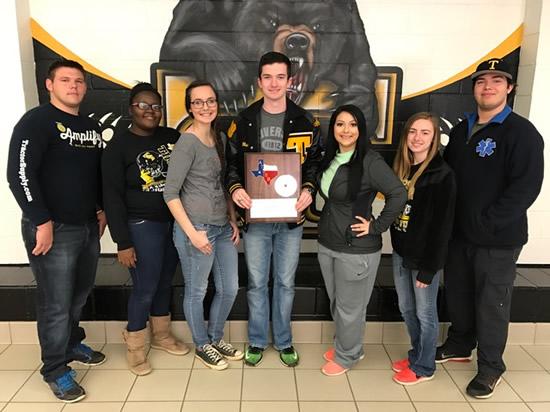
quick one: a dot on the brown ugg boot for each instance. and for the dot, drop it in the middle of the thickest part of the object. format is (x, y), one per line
(162, 338)
(135, 354)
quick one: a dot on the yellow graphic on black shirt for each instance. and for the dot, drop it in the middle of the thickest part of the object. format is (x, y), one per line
(60, 127)
(402, 220)
(152, 171)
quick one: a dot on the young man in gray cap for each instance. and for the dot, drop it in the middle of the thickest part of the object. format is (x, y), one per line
(497, 157)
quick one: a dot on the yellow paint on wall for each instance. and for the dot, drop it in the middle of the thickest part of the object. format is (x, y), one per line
(511, 43)
(41, 35)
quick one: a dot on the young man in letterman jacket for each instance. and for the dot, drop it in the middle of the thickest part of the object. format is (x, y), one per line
(275, 124)
(54, 174)
(497, 157)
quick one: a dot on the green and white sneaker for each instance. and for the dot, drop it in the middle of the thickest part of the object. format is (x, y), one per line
(228, 351)
(289, 357)
(253, 356)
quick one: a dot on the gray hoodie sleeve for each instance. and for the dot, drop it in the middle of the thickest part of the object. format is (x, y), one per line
(384, 180)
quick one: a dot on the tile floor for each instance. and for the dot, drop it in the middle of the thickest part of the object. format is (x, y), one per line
(183, 384)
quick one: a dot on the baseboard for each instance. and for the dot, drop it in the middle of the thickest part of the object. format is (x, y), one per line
(303, 332)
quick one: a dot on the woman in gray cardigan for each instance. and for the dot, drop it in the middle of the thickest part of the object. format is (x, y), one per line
(205, 233)
(350, 240)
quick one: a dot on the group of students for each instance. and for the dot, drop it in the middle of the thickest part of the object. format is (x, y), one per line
(168, 195)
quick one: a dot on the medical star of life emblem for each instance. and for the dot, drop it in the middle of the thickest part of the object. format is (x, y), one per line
(486, 147)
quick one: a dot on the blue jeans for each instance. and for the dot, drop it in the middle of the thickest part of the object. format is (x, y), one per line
(64, 278)
(157, 259)
(418, 307)
(196, 268)
(261, 240)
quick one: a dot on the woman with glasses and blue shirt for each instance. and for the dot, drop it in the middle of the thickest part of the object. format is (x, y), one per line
(206, 233)
(135, 165)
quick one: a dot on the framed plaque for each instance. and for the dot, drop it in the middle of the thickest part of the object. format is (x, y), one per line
(273, 180)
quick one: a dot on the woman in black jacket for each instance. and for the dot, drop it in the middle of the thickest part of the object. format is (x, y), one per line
(420, 237)
(350, 239)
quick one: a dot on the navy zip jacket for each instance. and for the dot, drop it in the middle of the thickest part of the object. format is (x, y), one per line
(499, 172)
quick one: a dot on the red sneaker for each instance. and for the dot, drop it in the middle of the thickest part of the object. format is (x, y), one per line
(329, 355)
(408, 377)
(333, 369)
(400, 365)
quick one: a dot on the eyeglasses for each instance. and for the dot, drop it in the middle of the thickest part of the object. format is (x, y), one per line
(199, 104)
(147, 106)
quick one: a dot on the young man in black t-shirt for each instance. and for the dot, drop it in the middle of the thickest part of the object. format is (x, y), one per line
(54, 174)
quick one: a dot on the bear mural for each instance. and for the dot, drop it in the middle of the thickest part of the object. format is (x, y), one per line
(222, 41)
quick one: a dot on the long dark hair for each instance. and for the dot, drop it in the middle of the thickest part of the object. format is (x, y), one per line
(217, 136)
(361, 147)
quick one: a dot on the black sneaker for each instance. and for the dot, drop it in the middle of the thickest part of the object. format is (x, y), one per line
(211, 357)
(482, 386)
(289, 357)
(253, 355)
(444, 354)
(85, 355)
(228, 351)
(66, 389)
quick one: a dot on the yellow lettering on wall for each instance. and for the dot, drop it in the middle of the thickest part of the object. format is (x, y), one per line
(300, 142)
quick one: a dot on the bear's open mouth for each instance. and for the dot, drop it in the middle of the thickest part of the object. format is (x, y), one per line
(298, 81)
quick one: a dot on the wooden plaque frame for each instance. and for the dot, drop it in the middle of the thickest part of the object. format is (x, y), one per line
(262, 169)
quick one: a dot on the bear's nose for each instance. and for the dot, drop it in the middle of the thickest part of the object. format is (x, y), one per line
(297, 41)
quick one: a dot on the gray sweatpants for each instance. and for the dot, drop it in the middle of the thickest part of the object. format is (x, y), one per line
(349, 280)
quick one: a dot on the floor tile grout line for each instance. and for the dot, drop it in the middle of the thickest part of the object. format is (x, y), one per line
(529, 354)
(352, 394)
(296, 387)
(513, 389)
(6, 348)
(21, 387)
(191, 353)
(242, 386)
(528, 407)
(456, 384)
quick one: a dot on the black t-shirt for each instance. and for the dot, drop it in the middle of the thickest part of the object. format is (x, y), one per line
(54, 166)
(134, 174)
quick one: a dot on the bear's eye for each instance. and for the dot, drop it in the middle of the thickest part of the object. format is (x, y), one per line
(273, 22)
(316, 27)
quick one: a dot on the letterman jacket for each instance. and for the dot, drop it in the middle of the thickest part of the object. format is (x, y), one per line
(301, 134)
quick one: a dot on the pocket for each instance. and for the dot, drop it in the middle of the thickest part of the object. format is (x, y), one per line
(353, 267)
(136, 221)
(502, 263)
(28, 230)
